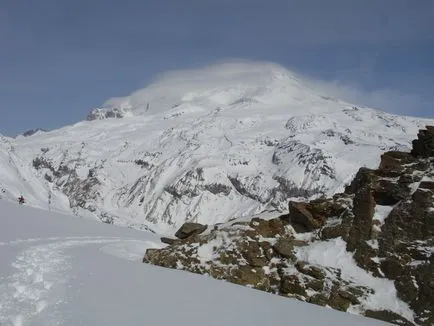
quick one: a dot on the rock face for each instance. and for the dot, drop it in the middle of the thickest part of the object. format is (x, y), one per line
(383, 223)
(189, 229)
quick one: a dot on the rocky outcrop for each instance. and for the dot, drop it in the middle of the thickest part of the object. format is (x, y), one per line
(189, 229)
(424, 144)
(385, 220)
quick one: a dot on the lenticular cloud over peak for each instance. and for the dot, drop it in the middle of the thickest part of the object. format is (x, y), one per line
(216, 85)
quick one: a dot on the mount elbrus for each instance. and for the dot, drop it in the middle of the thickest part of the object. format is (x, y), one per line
(203, 146)
(367, 250)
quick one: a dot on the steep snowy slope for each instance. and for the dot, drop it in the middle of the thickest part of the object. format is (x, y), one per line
(58, 270)
(207, 145)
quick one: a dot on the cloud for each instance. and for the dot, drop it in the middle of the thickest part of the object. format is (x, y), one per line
(247, 77)
(389, 100)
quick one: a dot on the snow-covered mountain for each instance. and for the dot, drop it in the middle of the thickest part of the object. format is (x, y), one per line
(203, 145)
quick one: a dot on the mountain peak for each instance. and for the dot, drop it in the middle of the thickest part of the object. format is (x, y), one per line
(218, 85)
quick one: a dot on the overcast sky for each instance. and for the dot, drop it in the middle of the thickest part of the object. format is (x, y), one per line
(59, 58)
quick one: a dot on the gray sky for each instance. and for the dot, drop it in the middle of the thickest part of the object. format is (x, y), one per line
(60, 58)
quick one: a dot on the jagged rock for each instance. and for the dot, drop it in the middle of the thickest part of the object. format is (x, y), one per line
(423, 197)
(424, 144)
(247, 275)
(364, 178)
(389, 193)
(267, 228)
(169, 241)
(336, 231)
(188, 229)
(302, 219)
(318, 299)
(392, 163)
(363, 211)
(337, 301)
(349, 296)
(160, 258)
(406, 287)
(408, 178)
(252, 253)
(427, 185)
(313, 271)
(284, 247)
(316, 285)
(388, 316)
(291, 284)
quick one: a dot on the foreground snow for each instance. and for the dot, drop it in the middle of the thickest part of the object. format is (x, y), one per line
(61, 270)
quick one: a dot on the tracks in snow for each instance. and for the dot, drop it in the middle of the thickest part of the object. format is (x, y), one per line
(40, 269)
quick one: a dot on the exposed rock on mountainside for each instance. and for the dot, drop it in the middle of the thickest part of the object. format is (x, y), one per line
(368, 250)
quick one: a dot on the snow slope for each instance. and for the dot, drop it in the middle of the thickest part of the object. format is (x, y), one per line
(61, 270)
(203, 145)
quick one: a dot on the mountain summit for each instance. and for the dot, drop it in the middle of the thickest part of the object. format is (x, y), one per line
(202, 145)
(226, 84)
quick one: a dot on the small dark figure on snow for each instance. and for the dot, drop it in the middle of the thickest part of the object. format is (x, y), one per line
(21, 200)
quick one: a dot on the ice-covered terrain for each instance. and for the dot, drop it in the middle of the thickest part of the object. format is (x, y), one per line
(62, 270)
(204, 145)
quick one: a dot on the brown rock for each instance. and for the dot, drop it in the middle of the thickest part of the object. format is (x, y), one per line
(302, 219)
(169, 241)
(389, 193)
(284, 247)
(364, 178)
(313, 271)
(318, 299)
(188, 229)
(290, 284)
(392, 163)
(316, 285)
(338, 302)
(349, 296)
(246, 275)
(424, 144)
(363, 211)
(268, 228)
(252, 253)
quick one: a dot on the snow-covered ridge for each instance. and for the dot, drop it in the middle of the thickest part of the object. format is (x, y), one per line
(203, 145)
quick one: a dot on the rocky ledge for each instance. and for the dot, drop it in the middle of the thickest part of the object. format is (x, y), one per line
(366, 251)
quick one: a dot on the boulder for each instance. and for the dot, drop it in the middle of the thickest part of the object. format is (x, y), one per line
(427, 185)
(290, 284)
(169, 241)
(284, 247)
(364, 178)
(363, 211)
(338, 302)
(253, 253)
(389, 193)
(312, 271)
(302, 219)
(267, 228)
(392, 163)
(188, 229)
(424, 144)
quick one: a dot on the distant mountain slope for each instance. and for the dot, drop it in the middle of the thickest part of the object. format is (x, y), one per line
(205, 145)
